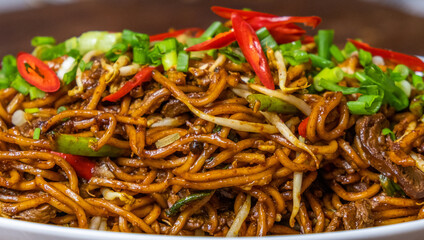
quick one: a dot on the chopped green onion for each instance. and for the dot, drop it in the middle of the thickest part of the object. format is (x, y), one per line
(234, 54)
(267, 41)
(213, 29)
(71, 75)
(117, 50)
(61, 109)
(405, 86)
(390, 187)
(8, 66)
(95, 40)
(296, 57)
(135, 39)
(168, 49)
(271, 104)
(365, 105)
(320, 62)
(51, 52)
(365, 57)
(217, 128)
(140, 55)
(325, 40)
(402, 70)
(85, 66)
(349, 49)
(155, 57)
(174, 209)
(417, 82)
(386, 131)
(416, 106)
(4, 81)
(182, 62)
(39, 40)
(36, 134)
(336, 53)
(35, 93)
(31, 110)
(291, 46)
(20, 85)
(333, 75)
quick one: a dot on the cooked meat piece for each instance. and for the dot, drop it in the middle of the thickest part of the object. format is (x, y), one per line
(40, 214)
(356, 215)
(174, 108)
(375, 147)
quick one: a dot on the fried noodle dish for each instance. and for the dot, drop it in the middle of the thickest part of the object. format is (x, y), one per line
(248, 128)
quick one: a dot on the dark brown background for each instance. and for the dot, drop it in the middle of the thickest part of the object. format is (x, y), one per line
(379, 25)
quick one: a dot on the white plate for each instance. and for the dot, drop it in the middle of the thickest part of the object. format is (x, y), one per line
(11, 229)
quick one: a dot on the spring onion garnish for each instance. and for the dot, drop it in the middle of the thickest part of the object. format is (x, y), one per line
(168, 49)
(213, 29)
(165, 141)
(40, 40)
(386, 131)
(349, 49)
(327, 75)
(417, 82)
(21, 85)
(401, 71)
(267, 41)
(174, 209)
(320, 62)
(365, 57)
(390, 187)
(336, 53)
(324, 42)
(417, 105)
(140, 55)
(36, 134)
(32, 110)
(117, 50)
(271, 104)
(293, 54)
(135, 39)
(182, 61)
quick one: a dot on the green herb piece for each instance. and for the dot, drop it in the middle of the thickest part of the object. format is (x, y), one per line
(32, 110)
(336, 53)
(320, 62)
(117, 50)
(365, 58)
(271, 104)
(390, 187)
(35, 93)
(176, 208)
(417, 82)
(386, 131)
(40, 40)
(36, 134)
(325, 40)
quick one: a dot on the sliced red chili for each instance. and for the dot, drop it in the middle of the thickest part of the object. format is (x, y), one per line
(252, 50)
(37, 73)
(176, 33)
(219, 41)
(288, 33)
(84, 167)
(226, 12)
(302, 127)
(271, 22)
(413, 62)
(144, 75)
